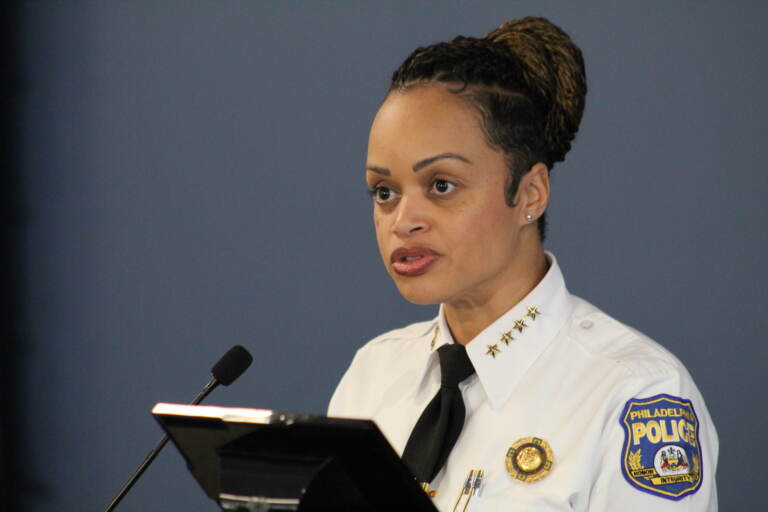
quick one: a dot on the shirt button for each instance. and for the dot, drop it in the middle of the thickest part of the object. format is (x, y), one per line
(586, 324)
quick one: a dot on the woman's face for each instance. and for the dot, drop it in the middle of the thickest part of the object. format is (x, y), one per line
(444, 230)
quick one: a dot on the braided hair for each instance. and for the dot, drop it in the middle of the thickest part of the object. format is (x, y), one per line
(527, 80)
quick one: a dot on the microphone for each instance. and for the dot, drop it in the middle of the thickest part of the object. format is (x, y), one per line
(225, 371)
(231, 366)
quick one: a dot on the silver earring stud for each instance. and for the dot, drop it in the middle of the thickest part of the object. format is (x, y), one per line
(529, 217)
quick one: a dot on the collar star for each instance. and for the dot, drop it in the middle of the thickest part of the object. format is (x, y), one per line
(519, 325)
(493, 350)
(533, 312)
(506, 337)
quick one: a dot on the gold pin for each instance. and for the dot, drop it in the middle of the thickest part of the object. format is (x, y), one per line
(465, 490)
(529, 459)
(434, 338)
(493, 350)
(519, 325)
(471, 487)
(533, 312)
(506, 338)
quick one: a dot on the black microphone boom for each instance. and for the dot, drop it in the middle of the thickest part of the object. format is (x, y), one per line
(225, 371)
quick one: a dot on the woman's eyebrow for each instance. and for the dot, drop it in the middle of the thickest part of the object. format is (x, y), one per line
(420, 164)
(378, 170)
(423, 163)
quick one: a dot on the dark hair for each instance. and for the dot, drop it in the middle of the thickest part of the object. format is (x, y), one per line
(528, 82)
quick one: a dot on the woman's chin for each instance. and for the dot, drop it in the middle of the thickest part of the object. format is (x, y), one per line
(420, 295)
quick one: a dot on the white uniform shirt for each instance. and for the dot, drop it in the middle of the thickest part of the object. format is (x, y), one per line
(611, 404)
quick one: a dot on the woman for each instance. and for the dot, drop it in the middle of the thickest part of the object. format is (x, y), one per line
(519, 395)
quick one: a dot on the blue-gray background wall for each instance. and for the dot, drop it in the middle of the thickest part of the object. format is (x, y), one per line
(192, 178)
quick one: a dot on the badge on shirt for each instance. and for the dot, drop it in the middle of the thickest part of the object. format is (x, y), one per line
(661, 453)
(529, 459)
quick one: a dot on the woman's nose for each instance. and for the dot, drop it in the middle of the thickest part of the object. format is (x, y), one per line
(411, 217)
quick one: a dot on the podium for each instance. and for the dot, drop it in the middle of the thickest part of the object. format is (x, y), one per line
(257, 460)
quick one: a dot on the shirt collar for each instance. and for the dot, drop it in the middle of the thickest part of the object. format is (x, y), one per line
(501, 366)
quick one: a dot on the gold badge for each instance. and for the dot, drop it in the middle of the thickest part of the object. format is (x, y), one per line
(529, 459)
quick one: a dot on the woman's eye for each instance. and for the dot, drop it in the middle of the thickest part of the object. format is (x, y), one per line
(442, 187)
(383, 194)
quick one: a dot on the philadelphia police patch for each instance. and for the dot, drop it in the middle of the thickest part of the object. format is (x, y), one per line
(661, 453)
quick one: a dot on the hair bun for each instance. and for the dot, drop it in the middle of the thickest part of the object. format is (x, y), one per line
(553, 68)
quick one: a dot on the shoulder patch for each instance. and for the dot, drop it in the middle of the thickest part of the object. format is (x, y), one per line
(661, 453)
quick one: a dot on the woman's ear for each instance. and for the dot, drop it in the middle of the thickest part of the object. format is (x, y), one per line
(533, 195)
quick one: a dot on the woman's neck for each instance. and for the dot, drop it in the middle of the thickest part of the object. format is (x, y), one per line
(466, 318)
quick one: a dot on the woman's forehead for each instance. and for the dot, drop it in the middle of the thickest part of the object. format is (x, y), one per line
(425, 119)
(427, 101)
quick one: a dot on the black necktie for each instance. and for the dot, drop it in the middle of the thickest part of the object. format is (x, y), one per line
(440, 424)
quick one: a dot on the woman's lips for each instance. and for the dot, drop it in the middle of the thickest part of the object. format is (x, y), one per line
(413, 261)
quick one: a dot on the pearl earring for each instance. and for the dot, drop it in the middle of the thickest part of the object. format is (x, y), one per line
(529, 217)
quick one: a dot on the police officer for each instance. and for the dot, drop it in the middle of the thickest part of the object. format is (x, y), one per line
(518, 395)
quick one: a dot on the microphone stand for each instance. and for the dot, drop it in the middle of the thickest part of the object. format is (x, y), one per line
(153, 453)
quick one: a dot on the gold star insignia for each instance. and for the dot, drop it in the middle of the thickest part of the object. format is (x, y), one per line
(533, 311)
(519, 325)
(506, 338)
(493, 350)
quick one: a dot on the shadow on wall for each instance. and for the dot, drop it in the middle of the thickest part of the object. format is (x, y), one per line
(11, 478)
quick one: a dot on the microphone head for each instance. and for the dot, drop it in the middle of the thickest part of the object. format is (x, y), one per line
(232, 365)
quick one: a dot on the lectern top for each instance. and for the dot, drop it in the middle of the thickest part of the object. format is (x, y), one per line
(257, 456)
